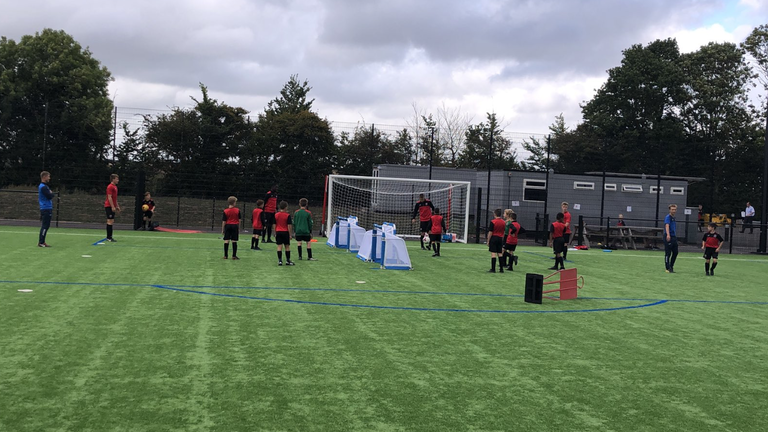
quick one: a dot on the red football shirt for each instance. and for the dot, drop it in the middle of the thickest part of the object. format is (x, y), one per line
(111, 191)
(557, 229)
(437, 224)
(270, 202)
(231, 216)
(512, 238)
(257, 219)
(497, 227)
(712, 240)
(567, 222)
(282, 220)
(424, 208)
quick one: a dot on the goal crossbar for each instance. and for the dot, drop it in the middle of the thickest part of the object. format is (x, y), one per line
(375, 200)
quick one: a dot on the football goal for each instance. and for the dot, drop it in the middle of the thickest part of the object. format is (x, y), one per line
(375, 200)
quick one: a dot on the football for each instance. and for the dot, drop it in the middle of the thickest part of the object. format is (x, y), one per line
(145, 207)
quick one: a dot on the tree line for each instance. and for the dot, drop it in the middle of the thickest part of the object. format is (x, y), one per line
(659, 112)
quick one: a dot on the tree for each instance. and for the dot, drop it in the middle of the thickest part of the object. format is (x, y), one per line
(55, 113)
(452, 128)
(636, 109)
(477, 144)
(368, 147)
(537, 148)
(200, 147)
(716, 115)
(299, 144)
(756, 45)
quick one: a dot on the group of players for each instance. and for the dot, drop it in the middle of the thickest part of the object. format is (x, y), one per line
(269, 216)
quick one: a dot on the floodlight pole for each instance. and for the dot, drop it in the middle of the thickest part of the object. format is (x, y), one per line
(431, 144)
(763, 217)
(488, 186)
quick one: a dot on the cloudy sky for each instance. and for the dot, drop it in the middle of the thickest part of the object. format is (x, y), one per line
(372, 60)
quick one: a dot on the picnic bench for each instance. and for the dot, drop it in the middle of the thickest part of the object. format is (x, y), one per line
(627, 236)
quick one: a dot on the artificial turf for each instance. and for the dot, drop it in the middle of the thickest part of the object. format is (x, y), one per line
(157, 333)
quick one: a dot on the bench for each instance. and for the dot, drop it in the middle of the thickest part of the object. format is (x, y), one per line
(624, 235)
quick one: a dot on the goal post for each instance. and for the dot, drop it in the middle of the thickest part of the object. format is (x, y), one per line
(375, 200)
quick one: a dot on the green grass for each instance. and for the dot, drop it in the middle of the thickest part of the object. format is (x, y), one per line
(101, 344)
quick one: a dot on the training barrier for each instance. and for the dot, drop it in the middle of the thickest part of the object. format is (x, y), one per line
(568, 281)
(379, 245)
(346, 234)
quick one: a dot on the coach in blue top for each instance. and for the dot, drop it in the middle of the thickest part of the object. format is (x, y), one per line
(670, 239)
(45, 197)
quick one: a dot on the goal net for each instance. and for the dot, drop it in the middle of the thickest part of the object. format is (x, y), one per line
(375, 200)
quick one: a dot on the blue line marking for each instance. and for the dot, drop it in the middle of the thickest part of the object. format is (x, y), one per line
(406, 308)
(99, 242)
(196, 288)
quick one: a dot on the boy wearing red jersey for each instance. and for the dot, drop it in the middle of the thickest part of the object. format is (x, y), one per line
(567, 233)
(495, 239)
(111, 207)
(711, 244)
(283, 228)
(512, 231)
(270, 207)
(557, 241)
(257, 219)
(423, 209)
(436, 231)
(230, 227)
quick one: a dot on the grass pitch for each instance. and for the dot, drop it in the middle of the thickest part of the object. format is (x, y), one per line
(158, 333)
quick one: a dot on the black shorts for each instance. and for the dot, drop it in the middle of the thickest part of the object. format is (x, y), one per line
(710, 253)
(425, 226)
(558, 245)
(567, 238)
(258, 231)
(510, 247)
(303, 237)
(269, 219)
(232, 232)
(148, 214)
(495, 244)
(110, 213)
(435, 237)
(283, 238)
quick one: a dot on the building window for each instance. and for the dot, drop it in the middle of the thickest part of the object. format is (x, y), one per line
(583, 186)
(534, 190)
(653, 190)
(611, 187)
(634, 188)
(676, 191)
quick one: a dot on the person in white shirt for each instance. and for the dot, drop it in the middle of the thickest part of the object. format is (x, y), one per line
(749, 214)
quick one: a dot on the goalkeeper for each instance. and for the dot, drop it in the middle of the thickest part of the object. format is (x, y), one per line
(423, 209)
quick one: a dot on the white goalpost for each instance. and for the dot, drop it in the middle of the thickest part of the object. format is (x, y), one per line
(375, 200)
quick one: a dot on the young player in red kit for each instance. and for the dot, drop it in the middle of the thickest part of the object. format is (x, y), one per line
(423, 209)
(512, 231)
(111, 207)
(230, 227)
(557, 241)
(711, 244)
(270, 207)
(436, 232)
(567, 233)
(283, 232)
(495, 239)
(257, 220)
